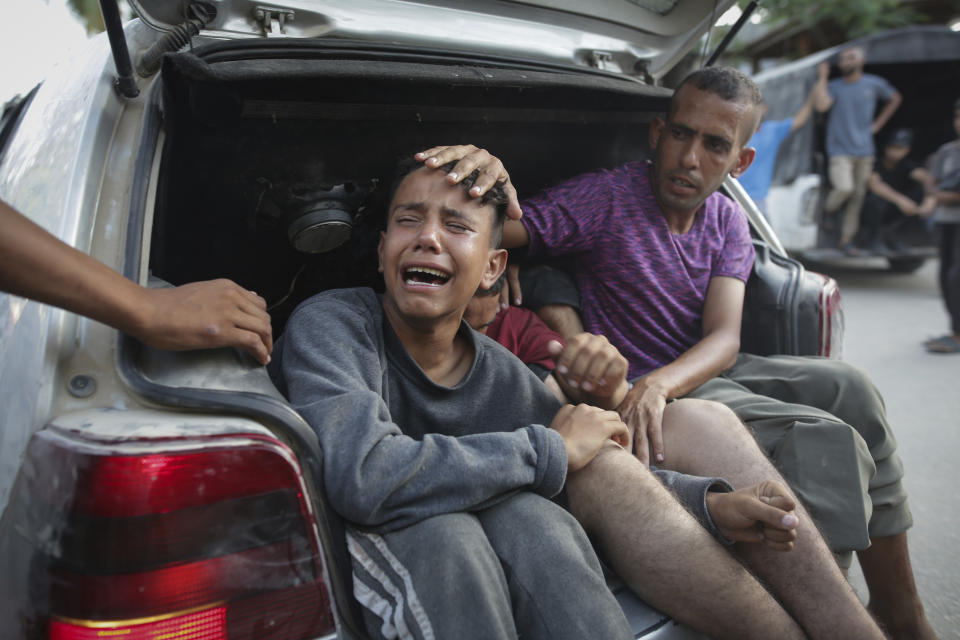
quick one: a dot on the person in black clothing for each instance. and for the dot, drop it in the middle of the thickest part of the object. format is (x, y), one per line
(945, 169)
(896, 194)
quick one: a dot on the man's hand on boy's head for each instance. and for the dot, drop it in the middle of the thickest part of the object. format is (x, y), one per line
(585, 431)
(591, 370)
(468, 159)
(762, 513)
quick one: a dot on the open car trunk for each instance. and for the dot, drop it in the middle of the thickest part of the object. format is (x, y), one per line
(257, 133)
(252, 142)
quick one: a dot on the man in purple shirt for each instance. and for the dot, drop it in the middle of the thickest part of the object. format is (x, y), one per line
(663, 261)
(624, 243)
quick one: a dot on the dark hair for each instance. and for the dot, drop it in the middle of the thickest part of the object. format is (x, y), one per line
(900, 138)
(494, 288)
(496, 196)
(730, 85)
(956, 106)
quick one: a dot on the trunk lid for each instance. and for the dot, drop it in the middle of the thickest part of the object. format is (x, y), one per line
(639, 38)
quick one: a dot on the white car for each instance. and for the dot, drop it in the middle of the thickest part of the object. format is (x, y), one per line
(923, 64)
(149, 494)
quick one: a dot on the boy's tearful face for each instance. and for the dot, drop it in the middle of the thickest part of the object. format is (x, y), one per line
(436, 249)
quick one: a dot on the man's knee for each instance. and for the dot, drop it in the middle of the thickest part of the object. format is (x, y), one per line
(854, 385)
(827, 435)
(694, 417)
(596, 491)
(841, 190)
(858, 402)
(829, 466)
(841, 173)
(693, 428)
(612, 464)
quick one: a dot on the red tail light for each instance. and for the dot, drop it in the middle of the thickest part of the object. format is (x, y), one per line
(831, 319)
(209, 624)
(210, 539)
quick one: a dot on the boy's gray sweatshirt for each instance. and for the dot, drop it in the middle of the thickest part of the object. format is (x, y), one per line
(399, 448)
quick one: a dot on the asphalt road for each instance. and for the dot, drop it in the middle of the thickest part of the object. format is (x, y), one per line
(887, 318)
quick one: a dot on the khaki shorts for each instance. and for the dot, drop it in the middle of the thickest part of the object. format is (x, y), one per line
(824, 426)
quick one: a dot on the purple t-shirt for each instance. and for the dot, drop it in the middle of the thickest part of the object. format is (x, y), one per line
(640, 285)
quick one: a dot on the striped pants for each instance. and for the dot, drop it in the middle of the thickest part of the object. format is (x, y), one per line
(522, 568)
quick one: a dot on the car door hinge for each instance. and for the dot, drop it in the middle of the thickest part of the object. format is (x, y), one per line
(272, 20)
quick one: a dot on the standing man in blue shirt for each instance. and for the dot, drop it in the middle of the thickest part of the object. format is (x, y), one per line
(852, 101)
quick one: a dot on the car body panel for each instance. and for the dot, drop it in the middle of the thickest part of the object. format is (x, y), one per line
(68, 168)
(51, 172)
(613, 35)
(41, 526)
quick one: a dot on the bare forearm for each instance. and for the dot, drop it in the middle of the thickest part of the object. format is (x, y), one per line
(36, 265)
(885, 191)
(803, 115)
(561, 318)
(514, 235)
(198, 315)
(820, 98)
(922, 176)
(705, 360)
(885, 114)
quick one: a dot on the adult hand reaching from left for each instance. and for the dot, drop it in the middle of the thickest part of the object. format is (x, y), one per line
(469, 158)
(203, 315)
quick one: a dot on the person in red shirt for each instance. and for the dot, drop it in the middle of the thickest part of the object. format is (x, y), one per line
(516, 328)
(521, 331)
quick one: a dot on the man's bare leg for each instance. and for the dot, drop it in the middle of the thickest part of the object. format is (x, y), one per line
(706, 438)
(894, 599)
(666, 557)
